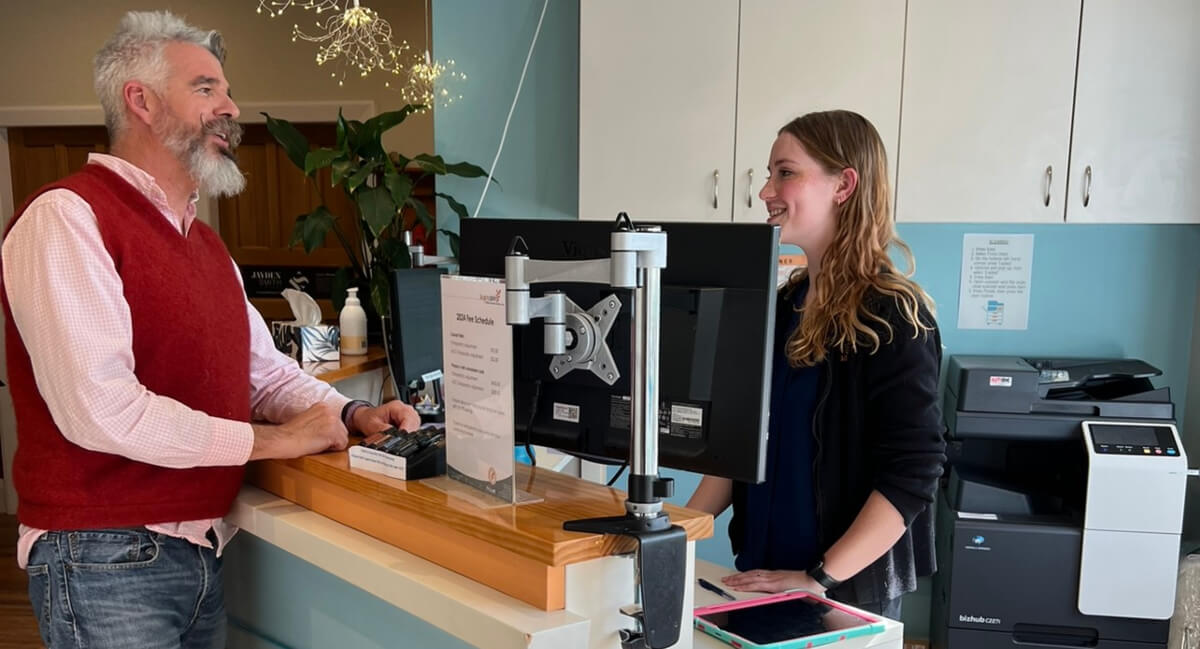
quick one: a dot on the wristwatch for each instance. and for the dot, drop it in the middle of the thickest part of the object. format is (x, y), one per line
(349, 409)
(819, 575)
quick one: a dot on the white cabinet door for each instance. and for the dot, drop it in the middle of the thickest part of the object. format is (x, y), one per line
(1135, 157)
(987, 105)
(800, 56)
(657, 82)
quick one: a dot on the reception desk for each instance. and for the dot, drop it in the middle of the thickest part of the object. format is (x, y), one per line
(491, 577)
(345, 558)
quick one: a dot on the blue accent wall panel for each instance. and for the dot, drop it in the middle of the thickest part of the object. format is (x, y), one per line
(537, 172)
(276, 600)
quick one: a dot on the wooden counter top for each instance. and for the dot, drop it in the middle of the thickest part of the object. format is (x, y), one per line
(347, 366)
(520, 550)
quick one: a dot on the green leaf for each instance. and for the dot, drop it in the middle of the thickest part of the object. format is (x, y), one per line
(466, 170)
(381, 123)
(293, 141)
(319, 159)
(341, 280)
(354, 130)
(452, 238)
(381, 291)
(459, 208)
(430, 163)
(361, 176)
(341, 169)
(394, 253)
(377, 209)
(399, 185)
(341, 130)
(422, 213)
(311, 228)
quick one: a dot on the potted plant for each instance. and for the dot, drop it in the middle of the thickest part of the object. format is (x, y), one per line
(375, 181)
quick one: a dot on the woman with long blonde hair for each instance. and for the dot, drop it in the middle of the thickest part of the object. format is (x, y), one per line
(855, 447)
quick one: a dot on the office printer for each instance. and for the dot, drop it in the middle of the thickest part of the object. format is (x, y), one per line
(1060, 516)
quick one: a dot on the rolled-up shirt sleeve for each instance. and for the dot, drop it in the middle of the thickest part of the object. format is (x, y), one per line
(279, 389)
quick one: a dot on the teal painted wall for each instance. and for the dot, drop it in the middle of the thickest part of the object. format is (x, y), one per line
(278, 601)
(488, 41)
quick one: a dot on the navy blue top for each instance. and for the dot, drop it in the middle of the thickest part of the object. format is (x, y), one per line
(780, 514)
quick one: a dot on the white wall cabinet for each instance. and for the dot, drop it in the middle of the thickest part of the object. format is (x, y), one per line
(1135, 157)
(799, 57)
(657, 82)
(988, 91)
(667, 87)
(1045, 110)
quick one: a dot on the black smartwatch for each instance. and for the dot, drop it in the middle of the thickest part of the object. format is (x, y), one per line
(349, 408)
(819, 575)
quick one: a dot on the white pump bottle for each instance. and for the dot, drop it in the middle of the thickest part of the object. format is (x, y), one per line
(353, 324)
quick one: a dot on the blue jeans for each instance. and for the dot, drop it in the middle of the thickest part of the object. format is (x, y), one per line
(120, 588)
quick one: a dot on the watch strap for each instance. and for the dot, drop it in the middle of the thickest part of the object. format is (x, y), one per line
(819, 575)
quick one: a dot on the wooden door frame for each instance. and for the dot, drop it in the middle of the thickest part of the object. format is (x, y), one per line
(91, 115)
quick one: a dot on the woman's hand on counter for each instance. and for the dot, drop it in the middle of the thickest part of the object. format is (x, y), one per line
(380, 418)
(315, 430)
(772, 581)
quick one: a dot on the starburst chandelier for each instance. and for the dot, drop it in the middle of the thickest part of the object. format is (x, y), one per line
(431, 83)
(352, 37)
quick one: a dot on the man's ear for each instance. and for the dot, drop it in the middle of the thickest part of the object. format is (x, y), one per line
(140, 101)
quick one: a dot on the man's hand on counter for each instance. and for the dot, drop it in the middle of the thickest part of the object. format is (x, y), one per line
(315, 430)
(396, 414)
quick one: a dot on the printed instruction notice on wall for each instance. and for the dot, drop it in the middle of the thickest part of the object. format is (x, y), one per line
(994, 286)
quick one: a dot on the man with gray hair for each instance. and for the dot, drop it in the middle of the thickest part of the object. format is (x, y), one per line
(136, 364)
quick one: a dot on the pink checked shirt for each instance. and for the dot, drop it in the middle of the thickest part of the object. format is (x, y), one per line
(67, 302)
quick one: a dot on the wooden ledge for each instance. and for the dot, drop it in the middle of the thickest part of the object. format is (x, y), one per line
(347, 366)
(519, 550)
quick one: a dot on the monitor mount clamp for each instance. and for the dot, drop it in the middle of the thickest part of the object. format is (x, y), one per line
(637, 257)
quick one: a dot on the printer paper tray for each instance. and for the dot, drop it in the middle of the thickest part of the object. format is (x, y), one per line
(976, 639)
(1039, 426)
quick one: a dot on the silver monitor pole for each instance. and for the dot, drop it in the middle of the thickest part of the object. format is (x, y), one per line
(636, 260)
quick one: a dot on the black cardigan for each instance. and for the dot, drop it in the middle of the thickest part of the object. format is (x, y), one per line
(878, 427)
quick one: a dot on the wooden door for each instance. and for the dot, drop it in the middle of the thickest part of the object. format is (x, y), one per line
(43, 154)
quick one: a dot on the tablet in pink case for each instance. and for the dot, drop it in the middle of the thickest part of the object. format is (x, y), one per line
(794, 620)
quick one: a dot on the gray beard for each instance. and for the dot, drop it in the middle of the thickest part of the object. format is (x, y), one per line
(216, 174)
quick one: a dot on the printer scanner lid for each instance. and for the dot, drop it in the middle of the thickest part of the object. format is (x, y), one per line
(1046, 398)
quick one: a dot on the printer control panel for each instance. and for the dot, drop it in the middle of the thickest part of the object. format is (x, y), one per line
(1147, 441)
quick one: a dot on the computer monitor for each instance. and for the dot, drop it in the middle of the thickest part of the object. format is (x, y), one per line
(716, 322)
(415, 330)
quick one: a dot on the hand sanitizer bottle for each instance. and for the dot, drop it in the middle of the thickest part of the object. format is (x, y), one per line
(353, 324)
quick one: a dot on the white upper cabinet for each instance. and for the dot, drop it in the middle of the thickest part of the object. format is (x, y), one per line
(1136, 150)
(797, 57)
(657, 82)
(986, 118)
(666, 88)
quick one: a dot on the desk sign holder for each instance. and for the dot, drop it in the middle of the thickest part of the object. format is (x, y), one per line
(477, 360)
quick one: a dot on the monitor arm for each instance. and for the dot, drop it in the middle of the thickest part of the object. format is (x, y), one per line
(417, 253)
(638, 255)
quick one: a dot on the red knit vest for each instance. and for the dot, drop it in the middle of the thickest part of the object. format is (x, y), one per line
(191, 342)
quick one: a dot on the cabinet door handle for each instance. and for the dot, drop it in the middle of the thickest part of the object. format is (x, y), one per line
(1049, 180)
(1087, 185)
(750, 187)
(716, 178)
